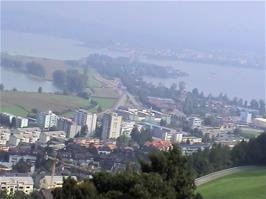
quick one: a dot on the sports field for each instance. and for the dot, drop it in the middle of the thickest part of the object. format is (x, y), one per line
(249, 184)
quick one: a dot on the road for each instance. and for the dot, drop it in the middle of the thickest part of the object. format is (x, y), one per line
(219, 174)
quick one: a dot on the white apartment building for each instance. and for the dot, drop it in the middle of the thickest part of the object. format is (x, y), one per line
(83, 117)
(245, 117)
(21, 122)
(14, 159)
(111, 126)
(48, 183)
(4, 136)
(126, 127)
(191, 140)
(194, 122)
(15, 183)
(46, 136)
(47, 119)
(68, 126)
(26, 135)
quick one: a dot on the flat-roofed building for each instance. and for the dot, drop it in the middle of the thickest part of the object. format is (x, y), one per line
(21, 122)
(111, 126)
(47, 182)
(25, 135)
(47, 120)
(260, 122)
(68, 126)
(11, 184)
(4, 136)
(83, 117)
(47, 136)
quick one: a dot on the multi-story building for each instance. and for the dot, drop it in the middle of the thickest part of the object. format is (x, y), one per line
(6, 118)
(111, 126)
(83, 117)
(4, 136)
(21, 122)
(26, 135)
(245, 117)
(194, 122)
(14, 159)
(47, 136)
(126, 128)
(47, 119)
(68, 126)
(15, 183)
(47, 182)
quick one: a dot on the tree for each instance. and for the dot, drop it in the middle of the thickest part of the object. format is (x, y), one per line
(163, 122)
(40, 89)
(21, 166)
(59, 78)
(122, 141)
(99, 109)
(35, 69)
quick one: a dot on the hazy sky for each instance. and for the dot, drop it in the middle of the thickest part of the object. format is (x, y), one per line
(236, 25)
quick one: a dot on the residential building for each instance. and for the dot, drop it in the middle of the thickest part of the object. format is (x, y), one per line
(26, 135)
(15, 183)
(194, 122)
(47, 120)
(111, 126)
(47, 182)
(49, 135)
(161, 145)
(68, 126)
(260, 122)
(4, 136)
(83, 117)
(14, 159)
(245, 117)
(21, 122)
(6, 118)
(126, 128)
(191, 140)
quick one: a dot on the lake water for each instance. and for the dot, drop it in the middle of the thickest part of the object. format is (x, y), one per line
(246, 83)
(22, 82)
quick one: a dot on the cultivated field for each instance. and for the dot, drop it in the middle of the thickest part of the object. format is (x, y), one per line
(22, 103)
(249, 184)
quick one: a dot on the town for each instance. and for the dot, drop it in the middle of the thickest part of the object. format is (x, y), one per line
(36, 154)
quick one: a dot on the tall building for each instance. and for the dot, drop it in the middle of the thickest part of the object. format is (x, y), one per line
(47, 119)
(245, 117)
(111, 126)
(68, 126)
(82, 118)
(194, 122)
(21, 122)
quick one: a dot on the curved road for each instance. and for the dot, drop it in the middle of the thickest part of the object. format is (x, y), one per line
(212, 176)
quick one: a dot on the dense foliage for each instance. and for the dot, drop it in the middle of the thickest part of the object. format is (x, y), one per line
(70, 81)
(165, 175)
(221, 157)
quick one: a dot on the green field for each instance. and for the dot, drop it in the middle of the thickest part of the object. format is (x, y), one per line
(92, 82)
(249, 184)
(105, 103)
(21, 103)
(250, 132)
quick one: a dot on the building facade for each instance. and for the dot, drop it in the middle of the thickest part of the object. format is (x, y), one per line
(10, 184)
(47, 119)
(111, 126)
(82, 118)
(68, 126)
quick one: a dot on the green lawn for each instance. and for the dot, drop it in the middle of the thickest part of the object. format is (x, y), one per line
(249, 132)
(92, 82)
(250, 184)
(105, 103)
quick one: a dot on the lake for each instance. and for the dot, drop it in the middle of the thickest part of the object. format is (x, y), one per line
(246, 83)
(22, 82)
